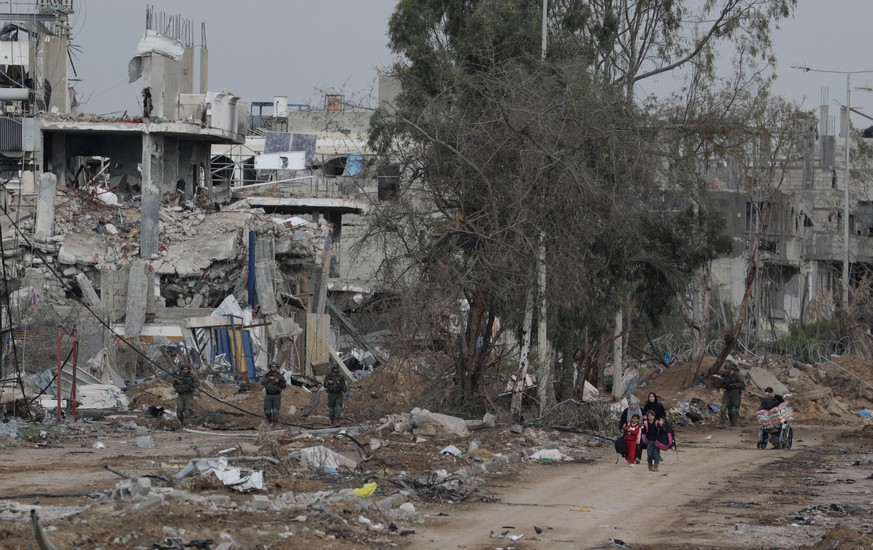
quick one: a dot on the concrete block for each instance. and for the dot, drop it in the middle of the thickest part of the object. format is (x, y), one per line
(262, 503)
(150, 502)
(142, 487)
(393, 501)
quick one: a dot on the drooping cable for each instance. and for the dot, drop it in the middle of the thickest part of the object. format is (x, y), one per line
(105, 325)
(18, 374)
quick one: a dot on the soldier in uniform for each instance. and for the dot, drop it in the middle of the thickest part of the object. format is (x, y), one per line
(273, 383)
(336, 386)
(733, 386)
(185, 383)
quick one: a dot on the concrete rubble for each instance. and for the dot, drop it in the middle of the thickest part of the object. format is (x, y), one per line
(202, 254)
(239, 479)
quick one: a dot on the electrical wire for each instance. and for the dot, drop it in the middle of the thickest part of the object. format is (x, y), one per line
(9, 312)
(121, 338)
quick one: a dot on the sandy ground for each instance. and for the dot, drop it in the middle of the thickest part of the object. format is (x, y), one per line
(718, 492)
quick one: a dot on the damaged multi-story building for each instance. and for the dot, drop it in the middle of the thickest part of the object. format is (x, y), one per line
(124, 225)
(802, 248)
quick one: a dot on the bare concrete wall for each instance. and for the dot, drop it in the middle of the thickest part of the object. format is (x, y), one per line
(56, 71)
(186, 83)
(162, 75)
(152, 183)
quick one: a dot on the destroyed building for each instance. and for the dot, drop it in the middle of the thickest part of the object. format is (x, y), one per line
(124, 228)
(802, 249)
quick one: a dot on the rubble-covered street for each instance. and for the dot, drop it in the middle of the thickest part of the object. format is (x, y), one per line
(413, 319)
(391, 475)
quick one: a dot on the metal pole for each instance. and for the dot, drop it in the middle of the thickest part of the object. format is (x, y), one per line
(75, 361)
(545, 27)
(251, 281)
(59, 329)
(846, 196)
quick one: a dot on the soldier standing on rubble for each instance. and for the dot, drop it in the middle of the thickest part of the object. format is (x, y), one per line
(733, 386)
(185, 383)
(336, 386)
(273, 383)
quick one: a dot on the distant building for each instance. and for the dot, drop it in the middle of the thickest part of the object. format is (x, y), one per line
(802, 248)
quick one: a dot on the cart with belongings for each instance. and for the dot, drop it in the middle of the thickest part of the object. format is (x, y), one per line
(776, 427)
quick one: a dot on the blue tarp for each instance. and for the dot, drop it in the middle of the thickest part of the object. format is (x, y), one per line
(354, 164)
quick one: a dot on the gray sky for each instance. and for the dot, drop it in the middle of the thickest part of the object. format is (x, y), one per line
(832, 35)
(257, 48)
(301, 48)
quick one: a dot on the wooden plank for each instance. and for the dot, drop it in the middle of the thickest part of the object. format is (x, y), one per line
(336, 359)
(317, 335)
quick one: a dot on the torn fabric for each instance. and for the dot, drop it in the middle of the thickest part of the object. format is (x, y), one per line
(153, 43)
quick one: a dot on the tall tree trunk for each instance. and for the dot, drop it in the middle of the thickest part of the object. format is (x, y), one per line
(518, 389)
(702, 324)
(617, 357)
(730, 337)
(567, 373)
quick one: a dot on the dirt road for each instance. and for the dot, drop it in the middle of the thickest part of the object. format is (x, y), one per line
(722, 492)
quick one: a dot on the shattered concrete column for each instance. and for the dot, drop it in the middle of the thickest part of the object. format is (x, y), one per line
(37, 69)
(59, 157)
(186, 86)
(264, 283)
(137, 297)
(162, 75)
(45, 206)
(90, 337)
(152, 180)
(56, 52)
(204, 60)
(28, 186)
(88, 292)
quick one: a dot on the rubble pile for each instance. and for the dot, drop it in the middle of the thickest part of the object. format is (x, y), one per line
(364, 483)
(202, 252)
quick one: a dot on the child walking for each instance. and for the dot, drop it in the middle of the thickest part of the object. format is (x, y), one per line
(652, 430)
(632, 436)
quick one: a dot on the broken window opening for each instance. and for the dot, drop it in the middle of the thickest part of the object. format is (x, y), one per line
(334, 167)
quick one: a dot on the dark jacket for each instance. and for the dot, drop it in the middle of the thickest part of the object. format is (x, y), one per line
(334, 382)
(273, 383)
(657, 407)
(732, 382)
(651, 431)
(771, 402)
(185, 383)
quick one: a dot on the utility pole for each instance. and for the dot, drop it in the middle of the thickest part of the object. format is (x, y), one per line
(545, 382)
(846, 197)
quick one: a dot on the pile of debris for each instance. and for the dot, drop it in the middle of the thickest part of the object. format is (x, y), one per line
(202, 253)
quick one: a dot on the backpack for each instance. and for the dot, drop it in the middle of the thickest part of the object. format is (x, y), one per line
(666, 439)
(621, 445)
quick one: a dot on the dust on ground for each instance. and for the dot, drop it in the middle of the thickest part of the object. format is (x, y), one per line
(70, 473)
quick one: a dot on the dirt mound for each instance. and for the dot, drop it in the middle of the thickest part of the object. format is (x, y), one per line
(828, 392)
(397, 386)
(844, 538)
